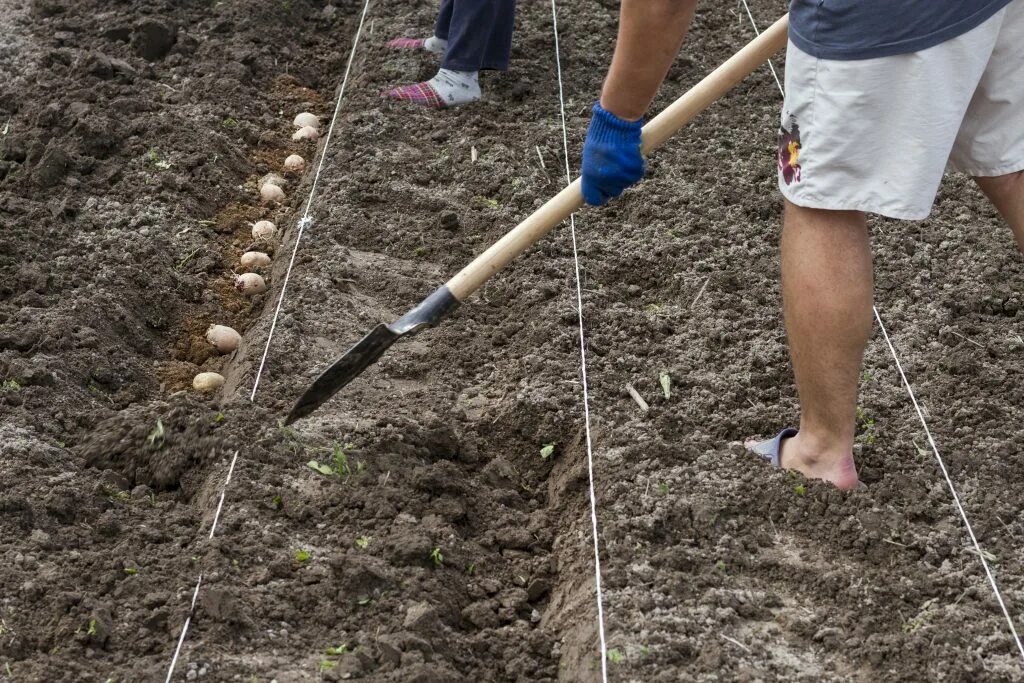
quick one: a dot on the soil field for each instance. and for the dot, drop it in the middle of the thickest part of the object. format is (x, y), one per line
(440, 545)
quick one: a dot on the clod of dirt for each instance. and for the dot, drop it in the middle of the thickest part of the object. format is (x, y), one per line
(156, 445)
(152, 39)
(51, 167)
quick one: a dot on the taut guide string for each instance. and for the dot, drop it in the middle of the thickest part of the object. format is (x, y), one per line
(583, 363)
(303, 223)
(920, 414)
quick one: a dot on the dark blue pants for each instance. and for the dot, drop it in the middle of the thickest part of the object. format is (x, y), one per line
(479, 33)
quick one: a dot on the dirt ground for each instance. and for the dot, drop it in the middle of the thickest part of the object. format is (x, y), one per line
(443, 546)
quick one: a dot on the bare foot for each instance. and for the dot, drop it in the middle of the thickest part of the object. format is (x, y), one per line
(837, 468)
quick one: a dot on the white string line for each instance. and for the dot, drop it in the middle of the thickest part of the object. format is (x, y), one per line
(583, 362)
(306, 220)
(931, 441)
(184, 630)
(757, 31)
(195, 593)
(302, 224)
(952, 489)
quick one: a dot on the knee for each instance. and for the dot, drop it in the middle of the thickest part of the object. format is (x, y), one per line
(826, 218)
(1001, 183)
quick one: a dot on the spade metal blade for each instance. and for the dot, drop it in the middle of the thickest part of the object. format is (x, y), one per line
(365, 352)
(371, 347)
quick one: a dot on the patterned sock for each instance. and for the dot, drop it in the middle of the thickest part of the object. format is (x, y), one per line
(431, 44)
(435, 45)
(447, 89)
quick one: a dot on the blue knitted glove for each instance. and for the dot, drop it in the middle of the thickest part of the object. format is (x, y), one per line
(611, 156)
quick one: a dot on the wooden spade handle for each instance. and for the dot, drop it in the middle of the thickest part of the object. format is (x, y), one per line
(657, 131)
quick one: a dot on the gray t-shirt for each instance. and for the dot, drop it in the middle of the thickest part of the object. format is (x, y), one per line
(862, 29)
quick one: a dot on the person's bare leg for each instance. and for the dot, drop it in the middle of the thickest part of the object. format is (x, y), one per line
(827, 295)
(1006, 192)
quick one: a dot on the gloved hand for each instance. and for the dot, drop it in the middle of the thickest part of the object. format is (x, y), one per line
(611, 156)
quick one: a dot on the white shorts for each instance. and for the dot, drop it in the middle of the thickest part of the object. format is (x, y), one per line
(876, 134)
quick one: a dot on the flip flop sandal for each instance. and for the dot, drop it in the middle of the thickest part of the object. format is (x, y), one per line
(770, 449)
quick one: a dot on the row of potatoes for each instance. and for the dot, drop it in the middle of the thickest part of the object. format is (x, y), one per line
(225, 339)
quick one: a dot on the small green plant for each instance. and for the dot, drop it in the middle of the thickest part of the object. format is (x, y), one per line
(229, 122)
(156, 160)
(112, 494)
(276, 502)
(327, 664)
(720, 565)
(321, 468)
(336, 651)
(485, 201)
(302, 556)
(471, 569)
(341, 467)
(547, 450)
(156, 437)
(363, 542)
(666, 384)
(91, 631)
(130, 572)
(615, 656)
(800, 489)
(867, 426)
(10, 385)
(218, 418)
(436, 557)
(644, 651)
(188, 257)
(663, 488)
(341, 459)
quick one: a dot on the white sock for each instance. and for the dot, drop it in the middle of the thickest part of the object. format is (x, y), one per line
(435, 45)
(456, 87)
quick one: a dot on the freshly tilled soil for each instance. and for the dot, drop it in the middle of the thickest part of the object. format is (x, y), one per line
(442, 545)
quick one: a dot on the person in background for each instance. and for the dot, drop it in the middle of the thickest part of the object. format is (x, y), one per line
(880, 95)
(469, 36)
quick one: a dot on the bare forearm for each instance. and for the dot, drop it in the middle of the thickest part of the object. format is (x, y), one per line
(650, 35)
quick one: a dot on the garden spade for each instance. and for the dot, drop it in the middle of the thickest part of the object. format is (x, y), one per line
(447, 298)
